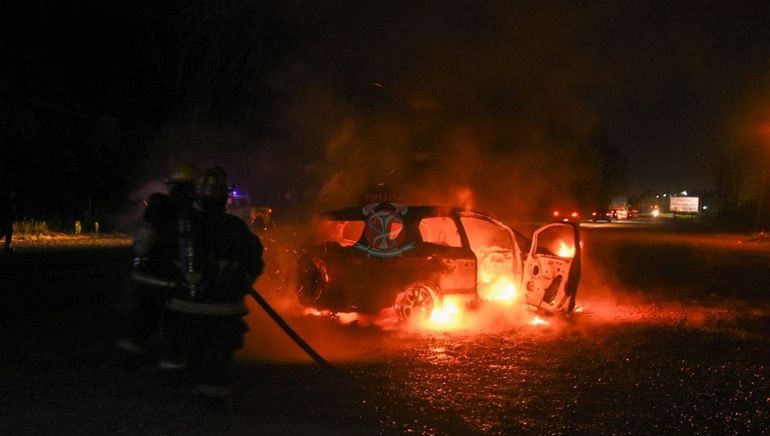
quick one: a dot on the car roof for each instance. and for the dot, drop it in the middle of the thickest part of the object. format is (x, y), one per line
(356, 212)
(414, 213)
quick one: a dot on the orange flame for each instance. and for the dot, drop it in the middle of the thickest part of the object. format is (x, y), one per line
(503, 289)
(343, 318)
(566, 250)
(538, 321)
(313, 311)
(446, 316)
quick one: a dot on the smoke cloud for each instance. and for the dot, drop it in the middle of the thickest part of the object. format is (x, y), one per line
(429, 107)
(485, 106)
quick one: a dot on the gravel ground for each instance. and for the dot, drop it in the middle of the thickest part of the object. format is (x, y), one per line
(673, 339)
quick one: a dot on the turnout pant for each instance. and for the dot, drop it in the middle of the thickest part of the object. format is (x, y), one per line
(145, 320)
(207, 343)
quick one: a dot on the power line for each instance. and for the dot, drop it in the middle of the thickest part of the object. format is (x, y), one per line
(46, 105)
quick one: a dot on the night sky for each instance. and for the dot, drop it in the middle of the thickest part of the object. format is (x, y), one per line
(318, 104)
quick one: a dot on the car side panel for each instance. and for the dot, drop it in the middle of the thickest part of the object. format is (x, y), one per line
(354, 281)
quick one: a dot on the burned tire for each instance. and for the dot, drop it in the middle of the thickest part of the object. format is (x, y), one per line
(416, 302)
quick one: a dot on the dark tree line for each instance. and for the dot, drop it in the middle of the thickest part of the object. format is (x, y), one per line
(86, 86)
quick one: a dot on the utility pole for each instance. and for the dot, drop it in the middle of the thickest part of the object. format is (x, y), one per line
(760, 202)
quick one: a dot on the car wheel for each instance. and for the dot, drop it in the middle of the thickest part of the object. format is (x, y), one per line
(416, 302)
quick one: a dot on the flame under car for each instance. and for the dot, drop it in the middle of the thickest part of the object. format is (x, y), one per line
(365, 259)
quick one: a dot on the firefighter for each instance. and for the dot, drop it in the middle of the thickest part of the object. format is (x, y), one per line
(7, 216)
(154, 272)
(219, 259)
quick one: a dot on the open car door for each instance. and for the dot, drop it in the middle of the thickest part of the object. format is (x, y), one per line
(552, 268)
(497, 253)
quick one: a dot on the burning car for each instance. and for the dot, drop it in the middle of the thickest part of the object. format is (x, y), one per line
(365, 259)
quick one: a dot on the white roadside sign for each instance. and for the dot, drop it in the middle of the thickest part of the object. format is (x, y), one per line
(684, 204)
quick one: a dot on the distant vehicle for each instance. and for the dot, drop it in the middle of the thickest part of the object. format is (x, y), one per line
(239, 204)
(566, 215)
(633, 213)
(620, 206)
(261, 218)
(604, 215)
(368, 258)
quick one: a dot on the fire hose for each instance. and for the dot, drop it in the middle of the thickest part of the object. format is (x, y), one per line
(290, 331)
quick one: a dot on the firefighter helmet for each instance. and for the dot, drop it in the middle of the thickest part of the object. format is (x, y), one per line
(183, 173)
(211, 190)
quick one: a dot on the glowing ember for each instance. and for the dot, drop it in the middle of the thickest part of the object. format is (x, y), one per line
(538, 321)
(566, 250)
(342, 317)
(503, 289)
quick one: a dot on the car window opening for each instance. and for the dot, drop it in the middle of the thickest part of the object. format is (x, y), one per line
(345, 233)
(493, 248)
(440, 231)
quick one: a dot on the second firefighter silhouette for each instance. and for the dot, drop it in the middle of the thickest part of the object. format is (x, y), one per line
(154, 273)
(7, 216)
(219, 260)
